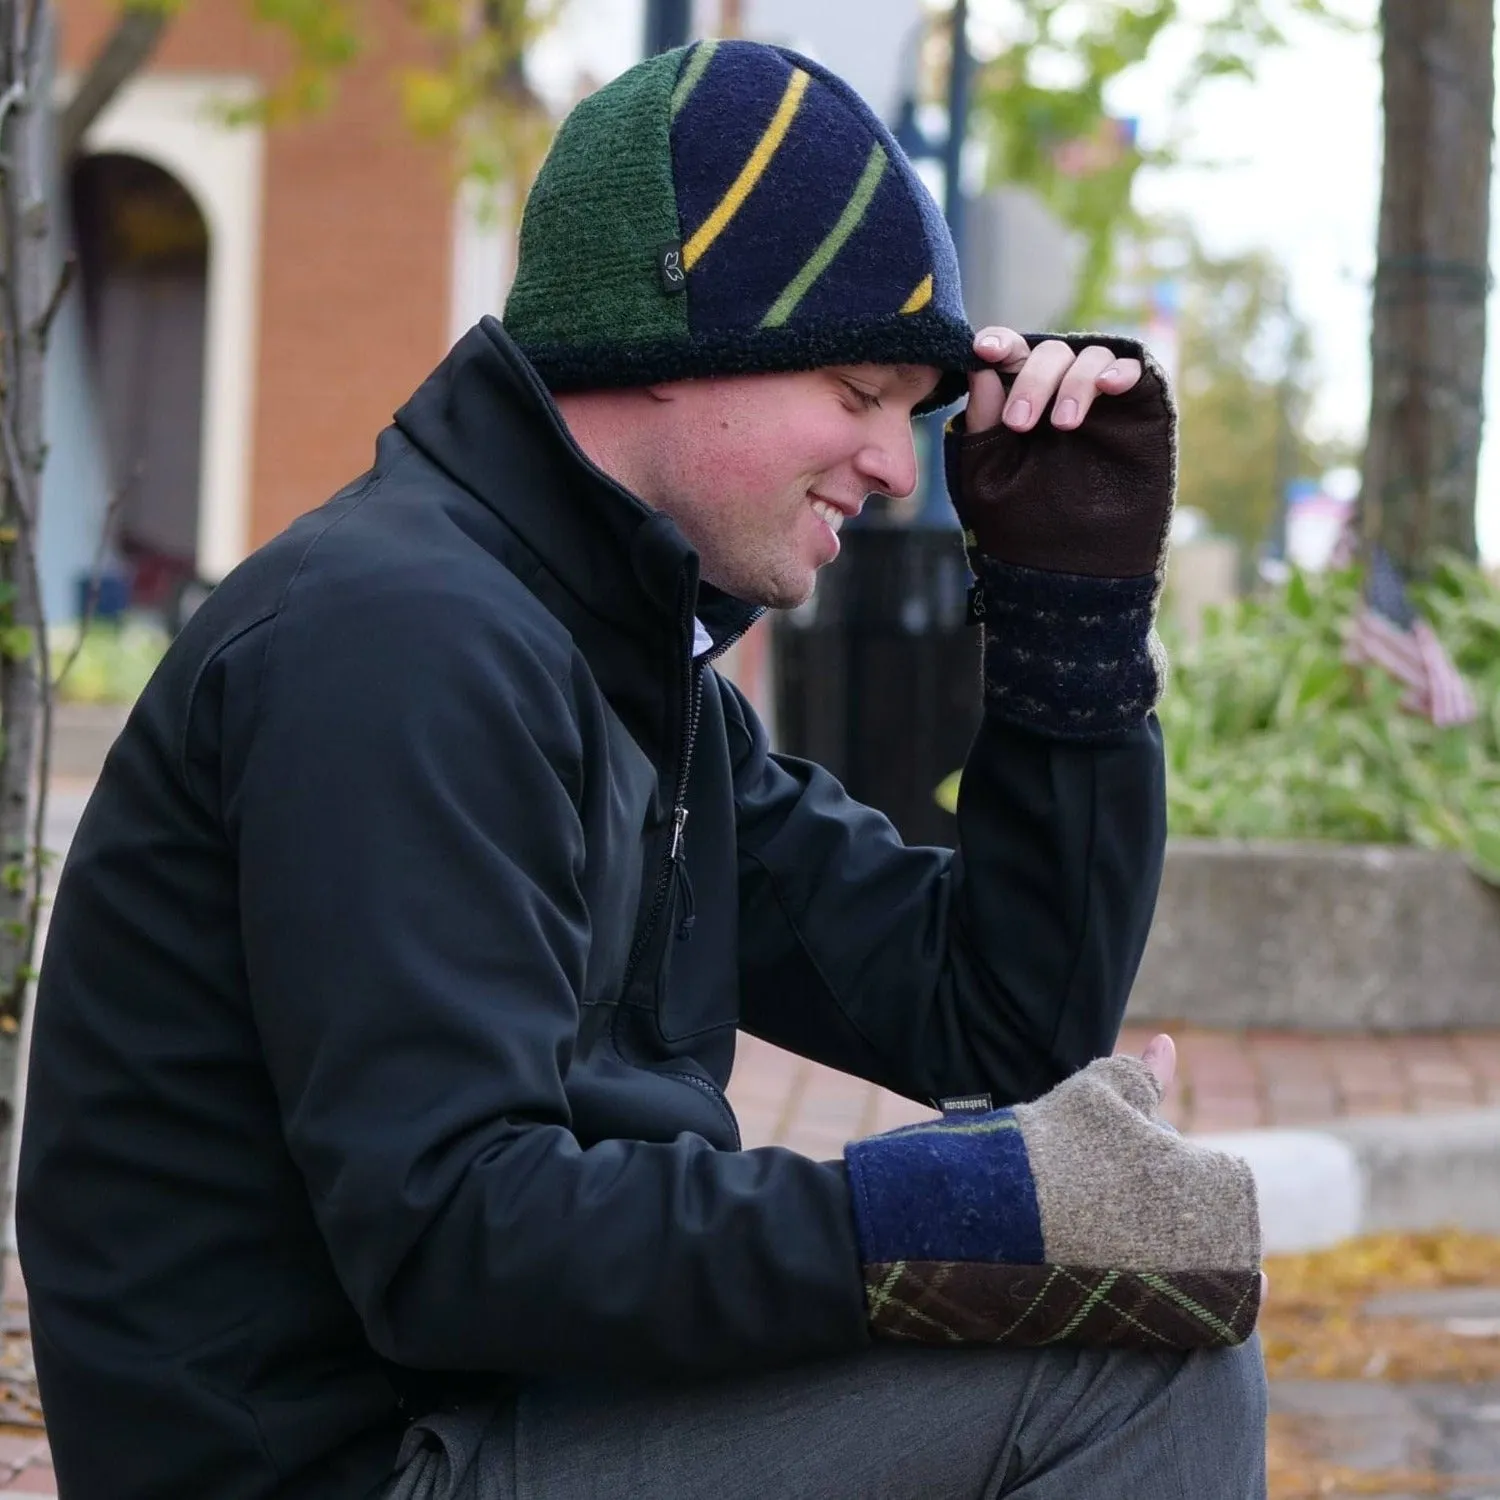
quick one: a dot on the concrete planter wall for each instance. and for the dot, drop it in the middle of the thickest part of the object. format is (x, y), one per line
(1320, 937)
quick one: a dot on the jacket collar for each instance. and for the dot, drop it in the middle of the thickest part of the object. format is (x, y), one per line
(486, 419)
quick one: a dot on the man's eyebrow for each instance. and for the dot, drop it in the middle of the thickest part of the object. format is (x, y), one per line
(914, 375)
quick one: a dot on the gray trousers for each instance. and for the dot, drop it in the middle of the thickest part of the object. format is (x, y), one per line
(893, 1424)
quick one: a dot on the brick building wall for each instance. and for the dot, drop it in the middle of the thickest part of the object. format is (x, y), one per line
(355, 261)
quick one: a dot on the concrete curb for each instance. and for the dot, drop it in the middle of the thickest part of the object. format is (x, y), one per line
(1320, 1186)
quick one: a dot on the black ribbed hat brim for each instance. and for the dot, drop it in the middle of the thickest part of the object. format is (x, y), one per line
(915, 340)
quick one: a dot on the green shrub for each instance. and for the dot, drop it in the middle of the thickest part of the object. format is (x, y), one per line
(1270, 735)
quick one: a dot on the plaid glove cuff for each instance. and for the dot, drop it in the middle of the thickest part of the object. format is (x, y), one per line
(1027, 1307)
(1079, 1219)
(1072, 657)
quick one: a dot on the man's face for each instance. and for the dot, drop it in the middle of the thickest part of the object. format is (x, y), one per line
(760, 471)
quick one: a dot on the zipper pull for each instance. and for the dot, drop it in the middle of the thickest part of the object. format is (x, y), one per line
(679, 865)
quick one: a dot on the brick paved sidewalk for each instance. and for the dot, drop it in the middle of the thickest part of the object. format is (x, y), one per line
(1225, 1081)
(25, 1466)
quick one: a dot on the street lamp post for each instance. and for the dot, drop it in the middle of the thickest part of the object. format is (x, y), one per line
(669, 23)
(933, 509)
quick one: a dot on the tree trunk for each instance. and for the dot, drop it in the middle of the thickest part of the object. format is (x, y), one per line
(29, 288)
(1427, 336)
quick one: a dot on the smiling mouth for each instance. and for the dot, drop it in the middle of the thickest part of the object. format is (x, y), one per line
(829, 513)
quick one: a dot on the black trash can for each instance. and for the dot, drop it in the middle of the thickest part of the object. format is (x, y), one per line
(877, 676)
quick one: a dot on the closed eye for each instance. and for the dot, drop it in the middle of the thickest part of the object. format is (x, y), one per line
(868, 400)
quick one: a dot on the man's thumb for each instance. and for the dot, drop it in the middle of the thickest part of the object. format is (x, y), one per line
(1161, 1057)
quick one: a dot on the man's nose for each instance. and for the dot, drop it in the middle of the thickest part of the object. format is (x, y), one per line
(889, 466)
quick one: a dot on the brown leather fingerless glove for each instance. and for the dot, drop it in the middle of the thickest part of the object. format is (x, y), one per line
(1094, 501)
(1067, 534)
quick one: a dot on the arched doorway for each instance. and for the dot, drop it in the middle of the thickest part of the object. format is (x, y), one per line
(143, 249)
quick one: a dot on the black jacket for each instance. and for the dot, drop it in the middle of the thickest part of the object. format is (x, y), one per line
(381, 1031)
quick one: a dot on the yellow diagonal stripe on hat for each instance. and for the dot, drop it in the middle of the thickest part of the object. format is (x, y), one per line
(729, 205)
(837, 237)
(919, 298)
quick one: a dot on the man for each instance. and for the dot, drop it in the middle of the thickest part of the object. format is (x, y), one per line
(377, 1141)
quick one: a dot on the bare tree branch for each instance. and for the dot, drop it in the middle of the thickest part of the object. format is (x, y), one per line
(125, 51)
(27, 259)
(25, 514)
(10, 98)
(59, 291)
(96, 573)
(10, 1005)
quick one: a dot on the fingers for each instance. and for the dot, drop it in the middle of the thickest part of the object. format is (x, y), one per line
(1006, 350)
(1002, 347)
(1160, 1057)
(1039, 380)
(1049, 375)
(1096, 371)
(986, 401)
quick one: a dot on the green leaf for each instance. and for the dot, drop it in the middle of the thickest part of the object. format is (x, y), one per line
(1484, 855)
(17, 642)
(1299, 599)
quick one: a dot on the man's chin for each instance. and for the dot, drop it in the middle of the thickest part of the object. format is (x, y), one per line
(785, 590)
(789, 593)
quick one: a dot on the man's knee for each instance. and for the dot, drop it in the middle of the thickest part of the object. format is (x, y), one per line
(1226, 1386)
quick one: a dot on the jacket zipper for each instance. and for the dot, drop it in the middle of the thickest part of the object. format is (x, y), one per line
(694, 695)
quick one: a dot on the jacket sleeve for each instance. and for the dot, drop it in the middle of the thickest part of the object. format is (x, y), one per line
(406, 820)
(1006, 966)
(1000, 967)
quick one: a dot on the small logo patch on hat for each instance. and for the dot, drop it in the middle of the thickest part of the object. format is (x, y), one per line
(669, 264)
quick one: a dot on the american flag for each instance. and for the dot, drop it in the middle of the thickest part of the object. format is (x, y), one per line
(1388, 633)
(1107, 146)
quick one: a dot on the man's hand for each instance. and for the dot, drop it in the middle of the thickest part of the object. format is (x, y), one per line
(1160, 1057)
(1080, 1217)
(1064, 495)
(1052, 373)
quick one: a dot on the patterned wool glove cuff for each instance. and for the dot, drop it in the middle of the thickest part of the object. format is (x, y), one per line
(1079, 1219)
(1074, 658)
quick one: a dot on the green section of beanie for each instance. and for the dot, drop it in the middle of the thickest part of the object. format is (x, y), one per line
(731, 208)
(600, 209)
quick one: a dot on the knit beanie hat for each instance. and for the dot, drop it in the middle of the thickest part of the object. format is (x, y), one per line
(732, 208)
